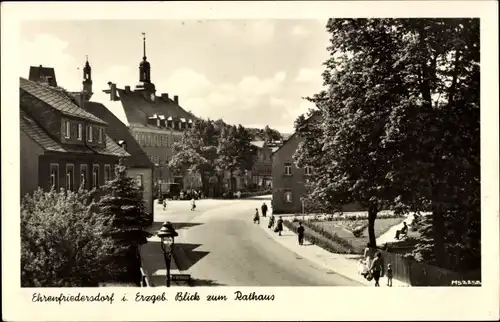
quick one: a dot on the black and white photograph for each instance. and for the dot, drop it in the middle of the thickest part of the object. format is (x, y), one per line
(178, 156)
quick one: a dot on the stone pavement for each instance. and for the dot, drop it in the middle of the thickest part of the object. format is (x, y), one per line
(343, 264)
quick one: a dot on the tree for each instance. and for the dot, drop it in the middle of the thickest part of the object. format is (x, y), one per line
(197, 152)
(271, 134)
(228, 159)
(246, 152)
(63, 241)
(400, 127)
(123, 207)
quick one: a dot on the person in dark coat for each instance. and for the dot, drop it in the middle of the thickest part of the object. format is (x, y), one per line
(271, 222)
(279, 226)
(263, 208)
(300, 232)
(256, 218)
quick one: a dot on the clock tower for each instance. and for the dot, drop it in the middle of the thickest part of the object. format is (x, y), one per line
(145, 85)
(87, 80)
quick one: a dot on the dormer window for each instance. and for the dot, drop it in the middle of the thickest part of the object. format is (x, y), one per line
(79, 133)
(101, 135)
(89, 133)
(67, 129)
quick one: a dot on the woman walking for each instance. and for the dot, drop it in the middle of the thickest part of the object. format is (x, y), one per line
(279, 226)
(377, 268)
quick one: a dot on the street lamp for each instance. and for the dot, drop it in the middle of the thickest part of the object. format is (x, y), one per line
(167, 234)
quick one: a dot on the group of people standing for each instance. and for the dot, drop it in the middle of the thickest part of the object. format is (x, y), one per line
(372, 266)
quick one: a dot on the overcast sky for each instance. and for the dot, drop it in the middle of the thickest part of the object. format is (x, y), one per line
(249, 72)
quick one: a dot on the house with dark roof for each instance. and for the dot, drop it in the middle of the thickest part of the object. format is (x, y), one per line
(261, 169)
(289, 180)
(62, 145)
(156, 122)
(139, 166)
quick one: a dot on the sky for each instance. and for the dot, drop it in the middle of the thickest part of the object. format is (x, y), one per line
(249, 72)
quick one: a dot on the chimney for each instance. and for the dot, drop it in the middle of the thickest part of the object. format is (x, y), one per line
(176, 99)
(112, 87)
(164, 97)
(127, 89)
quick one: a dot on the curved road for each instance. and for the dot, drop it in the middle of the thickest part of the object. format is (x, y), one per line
(220, 245)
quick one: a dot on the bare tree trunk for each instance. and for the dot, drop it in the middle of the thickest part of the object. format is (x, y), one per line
(372, 215)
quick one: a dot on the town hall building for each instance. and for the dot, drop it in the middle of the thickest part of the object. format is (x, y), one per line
(156, 122)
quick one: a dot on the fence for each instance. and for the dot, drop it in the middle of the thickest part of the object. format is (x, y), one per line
(421, 274)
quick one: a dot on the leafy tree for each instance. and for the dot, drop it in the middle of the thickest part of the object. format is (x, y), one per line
(63, 241)
(245, 151)
(228, 154)
(271, 134)
(123, 207)
(400, 127)
(197, 151)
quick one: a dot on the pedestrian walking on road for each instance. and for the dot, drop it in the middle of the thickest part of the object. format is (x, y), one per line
(164, 204)
(264, 209)
(271, 222)
(300, 232)
(256, 218)
(377, 268)
(279, 226)
(193, 204)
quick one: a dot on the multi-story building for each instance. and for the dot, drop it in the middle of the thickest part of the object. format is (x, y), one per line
(261, 170)
(289, 180)
(139, 167)
(156, 122)
(62, 145)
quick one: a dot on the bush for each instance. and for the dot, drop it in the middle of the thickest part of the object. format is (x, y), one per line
(325, 233)
(63, 241)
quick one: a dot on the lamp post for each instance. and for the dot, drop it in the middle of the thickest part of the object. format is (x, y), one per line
(167, 235)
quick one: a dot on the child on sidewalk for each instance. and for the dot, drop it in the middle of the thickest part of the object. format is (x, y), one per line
(389, 275)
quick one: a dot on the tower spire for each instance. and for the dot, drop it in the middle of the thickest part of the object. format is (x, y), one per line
(144, 45)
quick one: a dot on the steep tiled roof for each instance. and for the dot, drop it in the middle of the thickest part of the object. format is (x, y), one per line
(58, 99)
(32, 129)
(138, 109)
(119, 131)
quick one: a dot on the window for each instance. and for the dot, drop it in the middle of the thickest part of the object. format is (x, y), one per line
(83, 176)
(107, 172)
(101, 135)
(156, 140)
(67, 129)
(138, 180)
(288, 196)
(288, 169)
(89, 133)
(308, 170)
(70, 177)
(80, 132)
(54, 176)
(95, 176)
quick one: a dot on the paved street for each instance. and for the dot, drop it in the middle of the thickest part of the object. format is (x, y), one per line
(221, 246)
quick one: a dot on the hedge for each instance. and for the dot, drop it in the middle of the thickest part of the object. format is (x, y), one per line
(316, 239)
(327, 234)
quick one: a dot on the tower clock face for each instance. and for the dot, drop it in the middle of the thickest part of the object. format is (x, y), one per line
(152, 97)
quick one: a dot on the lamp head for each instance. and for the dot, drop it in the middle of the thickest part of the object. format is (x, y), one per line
(167, 234)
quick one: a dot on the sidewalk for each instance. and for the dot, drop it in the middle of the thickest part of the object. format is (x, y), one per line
(343, 264)
(153, 264)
